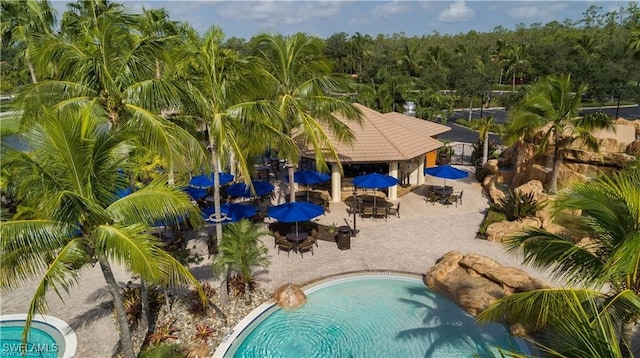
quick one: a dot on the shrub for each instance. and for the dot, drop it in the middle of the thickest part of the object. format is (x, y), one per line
(517, 205)
(236, 285)
(163, 332)
(493, 216)
(163, 351)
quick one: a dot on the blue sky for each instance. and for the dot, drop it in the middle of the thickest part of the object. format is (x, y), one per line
(323, 18)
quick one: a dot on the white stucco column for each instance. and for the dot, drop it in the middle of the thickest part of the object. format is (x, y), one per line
(421, 170)
(336, 180)
(393, 171)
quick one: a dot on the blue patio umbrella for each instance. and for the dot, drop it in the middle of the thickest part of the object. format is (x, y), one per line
(121, 193)
(295, 212)
(308, 177)
(244, 191)
(204, 181)
(374, 181)
(237, 211)
(195, 193)
(446, 172)
(232, 212)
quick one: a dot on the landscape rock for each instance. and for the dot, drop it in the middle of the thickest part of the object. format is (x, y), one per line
(499, 231)
(533, 186)
(289, 296)
(478, 281)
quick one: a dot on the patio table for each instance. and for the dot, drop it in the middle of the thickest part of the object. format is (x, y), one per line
(296, 238)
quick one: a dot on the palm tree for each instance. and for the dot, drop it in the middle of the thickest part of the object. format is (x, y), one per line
(70, 177)
(241, 250)
(100, 63)
(484, 126)
(515, 61)
(24, 23)
(221, 81)
(297, 83)
(553, 108)
(634, 43)
(607, 210)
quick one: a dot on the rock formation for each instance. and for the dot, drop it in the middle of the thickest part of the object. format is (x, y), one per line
(522, 162)
(475, 282)
(289, 296)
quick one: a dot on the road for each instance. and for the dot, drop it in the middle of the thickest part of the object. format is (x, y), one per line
(462, 134)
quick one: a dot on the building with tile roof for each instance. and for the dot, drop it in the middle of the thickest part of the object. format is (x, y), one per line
(401, 141)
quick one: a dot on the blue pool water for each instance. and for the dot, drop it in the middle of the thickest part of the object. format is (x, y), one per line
(371, 316)
(39, 343)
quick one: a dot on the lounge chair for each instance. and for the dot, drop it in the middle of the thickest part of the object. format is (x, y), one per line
(306, 245)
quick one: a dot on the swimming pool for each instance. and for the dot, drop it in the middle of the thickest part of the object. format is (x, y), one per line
(371, 315)
(49, 337)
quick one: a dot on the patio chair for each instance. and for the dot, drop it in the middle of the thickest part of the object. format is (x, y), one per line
(394, 210)
(452, 199)
(283, 245)
(432, 197)
(460, 197)
(306, 245)
(314, 236)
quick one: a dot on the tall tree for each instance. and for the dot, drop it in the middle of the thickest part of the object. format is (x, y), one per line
(71, 177)
(298, 85)
(553, 107)
(241, 251)
(221, 82)
(23, 25)
(101, 64)
(607, 269)
(515, 60)
(484, 126)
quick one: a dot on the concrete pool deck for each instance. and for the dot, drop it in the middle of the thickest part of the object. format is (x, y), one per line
(411, 243)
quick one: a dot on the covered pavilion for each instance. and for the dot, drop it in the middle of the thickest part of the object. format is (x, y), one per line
(402, 142)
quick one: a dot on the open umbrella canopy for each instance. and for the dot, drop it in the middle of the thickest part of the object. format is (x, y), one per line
(374, 181)
(121, 193)
(195, 193)
(294, 212)
(309, 177)
(446, 172)
(244, 191)
(232, 212)
(204, 181)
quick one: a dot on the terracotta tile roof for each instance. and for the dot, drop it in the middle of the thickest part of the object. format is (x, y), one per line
(386, 137)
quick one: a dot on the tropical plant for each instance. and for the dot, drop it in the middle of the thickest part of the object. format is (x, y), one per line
(607, 210)
(477, 153)
(23, 25)
(515, 60)
(298, 87)
(484, 126)
(553, 108)
(518, 205)
(163, 332)
(102, 67)
(241, 251)
(70, 176)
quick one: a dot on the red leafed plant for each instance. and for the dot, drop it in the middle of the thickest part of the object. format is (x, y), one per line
(204, 331)
(163, 332)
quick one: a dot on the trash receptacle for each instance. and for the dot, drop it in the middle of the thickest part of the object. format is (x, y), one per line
(344, 238)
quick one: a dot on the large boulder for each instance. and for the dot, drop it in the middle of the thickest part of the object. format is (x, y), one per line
(289, 296)
(475, 282)
(501, 230)
(533, 186)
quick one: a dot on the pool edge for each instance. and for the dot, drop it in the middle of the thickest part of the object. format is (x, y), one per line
(68, 334)
(307, 287)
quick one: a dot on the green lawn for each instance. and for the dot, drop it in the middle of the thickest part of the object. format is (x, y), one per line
(9, 124)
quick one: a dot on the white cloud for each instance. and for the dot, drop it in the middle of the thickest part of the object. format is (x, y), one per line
(456, 12)
(392, 8)
(269, 14)
(539, 11)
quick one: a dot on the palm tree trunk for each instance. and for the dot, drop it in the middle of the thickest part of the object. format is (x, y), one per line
(292, 189)
(557, 161)
(224, 289)
(144, 301)
(247, 292)
(513, 81)
(626, 333)
(485, 149)
(32, 71)
(216, 192)
(121, 317)
(470, 108)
